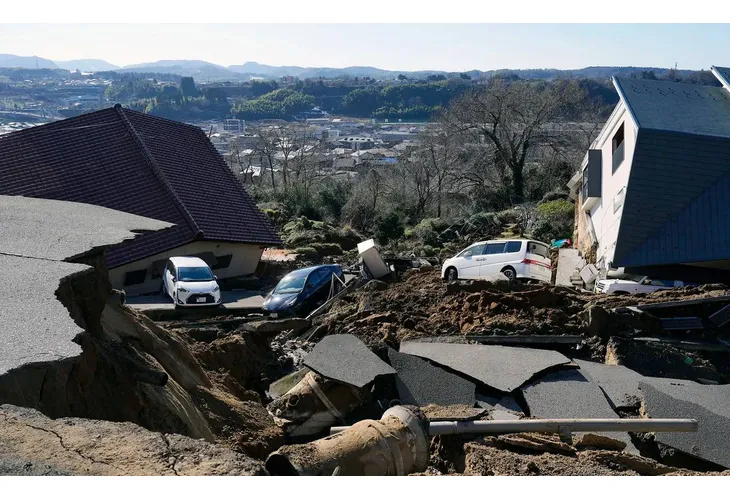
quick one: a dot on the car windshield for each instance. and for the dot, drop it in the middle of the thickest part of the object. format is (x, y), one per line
(195, 274)
(292, 283)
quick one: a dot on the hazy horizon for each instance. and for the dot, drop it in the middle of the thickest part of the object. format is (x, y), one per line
(398, 47)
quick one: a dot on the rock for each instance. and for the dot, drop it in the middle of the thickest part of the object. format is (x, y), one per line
(276, 326)
(374, 285)
(598, 322)
(30, 442)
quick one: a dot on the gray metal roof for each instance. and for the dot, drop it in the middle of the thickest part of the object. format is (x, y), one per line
(724, 73)
(676, 201)
(677, 107)
(37, 237)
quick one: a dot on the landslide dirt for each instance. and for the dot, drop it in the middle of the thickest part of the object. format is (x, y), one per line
(422, 305)
(33, 444)
(531, 454)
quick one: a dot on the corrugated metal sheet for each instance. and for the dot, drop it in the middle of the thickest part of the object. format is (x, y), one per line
(677, 199)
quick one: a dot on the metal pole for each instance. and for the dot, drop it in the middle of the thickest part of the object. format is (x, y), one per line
(558, 425)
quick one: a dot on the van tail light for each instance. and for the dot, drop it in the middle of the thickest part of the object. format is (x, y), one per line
(537, 263)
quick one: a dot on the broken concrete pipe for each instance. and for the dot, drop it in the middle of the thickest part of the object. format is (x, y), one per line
(314, 404)
(559, 426)
(395, 445)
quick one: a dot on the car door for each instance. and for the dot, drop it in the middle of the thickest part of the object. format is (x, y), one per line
(493, 259)
(312, 288)
(469, 262)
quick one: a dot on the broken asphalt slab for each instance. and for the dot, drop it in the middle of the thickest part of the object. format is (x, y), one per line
(62, 230)
(420, 383)
(39, 237)
(503, 368)
(620, 384)
(708, 404)
(501, 409)
(346, 359)
(570, 394)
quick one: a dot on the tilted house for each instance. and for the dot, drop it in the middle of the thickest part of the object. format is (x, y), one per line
(653, 193)
(147, 166)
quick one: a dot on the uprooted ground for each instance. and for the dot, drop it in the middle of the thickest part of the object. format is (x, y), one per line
(238, 365)
(421, 305)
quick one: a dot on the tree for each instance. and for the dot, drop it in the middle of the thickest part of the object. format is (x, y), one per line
(514, 118)
(388, 227)
(187, 86)
(402, 77)
(465, 76)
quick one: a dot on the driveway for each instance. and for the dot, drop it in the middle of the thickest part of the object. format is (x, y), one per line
(233, 300)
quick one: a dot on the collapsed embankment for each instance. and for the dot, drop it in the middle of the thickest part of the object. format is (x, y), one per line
(132, 370)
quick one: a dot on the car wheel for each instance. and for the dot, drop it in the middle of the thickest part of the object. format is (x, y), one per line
(509, 272)
(452, 274)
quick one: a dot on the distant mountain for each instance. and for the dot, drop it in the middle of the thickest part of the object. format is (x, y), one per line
(256, 69)
(26, 62)
(182, 67)
(87, 65)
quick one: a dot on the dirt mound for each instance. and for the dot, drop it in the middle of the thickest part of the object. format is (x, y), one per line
(33, 444)
(534, 455)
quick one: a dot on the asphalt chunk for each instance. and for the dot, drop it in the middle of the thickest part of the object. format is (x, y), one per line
(346, 359)
(499, 367)
(708, 404)
(620, 384)
(420, 383)
(570, 394)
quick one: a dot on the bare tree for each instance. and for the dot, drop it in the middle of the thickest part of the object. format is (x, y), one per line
(514, 118)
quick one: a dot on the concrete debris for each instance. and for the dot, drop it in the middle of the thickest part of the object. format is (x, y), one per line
(708, 404)
(314, 404)
(569, 394)
(502, 368)
(395, 445)
(33, 444)
(346, 359)
(285, 384)
(420, 383)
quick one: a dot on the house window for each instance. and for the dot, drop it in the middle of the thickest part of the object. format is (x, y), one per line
(222, 262)
(135, 277)
(618, 200)
(617, 147)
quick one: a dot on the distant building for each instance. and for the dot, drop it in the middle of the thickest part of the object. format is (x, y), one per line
(234, 125)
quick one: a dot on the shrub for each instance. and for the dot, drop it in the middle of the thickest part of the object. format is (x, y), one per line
(388, 227)
(327, 249)
(554, 195)
(307, 252)
(425, 232)
(556, 208)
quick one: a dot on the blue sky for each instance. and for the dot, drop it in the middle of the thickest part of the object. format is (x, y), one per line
(450, 47)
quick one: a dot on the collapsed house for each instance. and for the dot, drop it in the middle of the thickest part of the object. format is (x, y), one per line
(651, 194)
(148, 166)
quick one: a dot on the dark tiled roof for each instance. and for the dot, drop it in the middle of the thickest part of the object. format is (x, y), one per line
(677, 107)
(677, 201)
(136, 163)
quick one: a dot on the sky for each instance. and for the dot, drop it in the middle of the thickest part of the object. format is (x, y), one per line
(407, 47)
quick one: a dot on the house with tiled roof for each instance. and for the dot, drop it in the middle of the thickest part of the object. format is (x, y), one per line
(653, 192)
(148, 166)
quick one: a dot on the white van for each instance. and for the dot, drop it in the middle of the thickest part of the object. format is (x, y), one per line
(526, 259)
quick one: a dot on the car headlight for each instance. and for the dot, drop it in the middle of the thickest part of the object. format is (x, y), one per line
(181, 289)
(216, 289)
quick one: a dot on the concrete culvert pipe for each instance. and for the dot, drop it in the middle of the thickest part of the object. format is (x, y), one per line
(395, 445)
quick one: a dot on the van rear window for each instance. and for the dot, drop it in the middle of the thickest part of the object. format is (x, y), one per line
(513, 246)
(537, 249)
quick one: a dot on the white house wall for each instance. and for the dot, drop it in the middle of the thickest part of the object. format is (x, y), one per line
(245, 259)
(605, 220)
